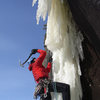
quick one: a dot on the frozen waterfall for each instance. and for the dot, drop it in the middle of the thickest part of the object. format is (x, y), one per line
(64, 40)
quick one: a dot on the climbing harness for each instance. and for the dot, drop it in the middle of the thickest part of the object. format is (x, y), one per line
(42, 88)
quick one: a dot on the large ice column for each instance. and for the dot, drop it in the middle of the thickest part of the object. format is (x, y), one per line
(64, 41)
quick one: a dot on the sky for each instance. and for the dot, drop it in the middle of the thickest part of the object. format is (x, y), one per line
(19, 33)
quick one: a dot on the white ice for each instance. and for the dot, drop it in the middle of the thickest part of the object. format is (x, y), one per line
(64, 41)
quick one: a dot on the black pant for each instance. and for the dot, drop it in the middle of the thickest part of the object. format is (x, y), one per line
(60, 88)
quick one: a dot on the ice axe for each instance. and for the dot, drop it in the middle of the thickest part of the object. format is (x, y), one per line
(22, 64)
(33, 51)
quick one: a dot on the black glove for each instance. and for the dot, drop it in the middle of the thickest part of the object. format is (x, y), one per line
(50, 59)
(33, 51)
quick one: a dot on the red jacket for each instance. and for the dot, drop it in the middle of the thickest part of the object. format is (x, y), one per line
(37, 68)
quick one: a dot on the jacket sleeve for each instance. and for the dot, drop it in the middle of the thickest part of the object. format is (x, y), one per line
(40, 59)
(48, 67)
(30, 67)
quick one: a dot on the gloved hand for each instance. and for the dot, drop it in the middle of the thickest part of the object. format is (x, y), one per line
(33, 51)
(50, 59)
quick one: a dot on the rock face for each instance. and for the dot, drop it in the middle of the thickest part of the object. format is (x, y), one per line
(86, 14)
(90, 68)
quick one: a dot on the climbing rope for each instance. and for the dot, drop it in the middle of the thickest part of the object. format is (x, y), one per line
(55, 90)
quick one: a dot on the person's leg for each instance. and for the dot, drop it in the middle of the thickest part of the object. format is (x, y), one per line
(60, 87)
(38, 89)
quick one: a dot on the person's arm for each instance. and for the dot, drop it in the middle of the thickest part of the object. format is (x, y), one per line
(40, 59)
(30, 67)
(49, 67)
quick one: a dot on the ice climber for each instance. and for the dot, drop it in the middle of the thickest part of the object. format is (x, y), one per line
(45, 86)
(40, 73)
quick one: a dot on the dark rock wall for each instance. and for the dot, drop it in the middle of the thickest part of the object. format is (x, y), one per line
(90, 78)
(87, 17)
(86, 14)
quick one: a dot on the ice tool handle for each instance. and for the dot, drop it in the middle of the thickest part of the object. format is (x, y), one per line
(26, 60)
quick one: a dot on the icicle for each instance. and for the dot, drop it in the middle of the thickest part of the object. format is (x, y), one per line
(44, 7)
(34, 1)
